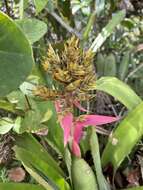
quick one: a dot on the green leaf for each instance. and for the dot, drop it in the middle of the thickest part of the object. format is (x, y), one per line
(40, 4)
(16, 59)
(29, 143)
(46, 171)
(38, 162)
(68, 161)
(105, 33)
(124, 138)
(123, 69)
(100, 63)
(6, 124)
(82, 175)
(89, 25)
(5, 105)
(110, 67)
(20, 186)
(96, 159)
(55, 132)
(37, 177)
(118, 90)
(31, 122)
(34, 29)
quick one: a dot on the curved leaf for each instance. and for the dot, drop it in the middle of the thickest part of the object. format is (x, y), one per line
(94, 145)
(82, 175)
(38, 162)
(34, 29)
(29, 143)
(125, 137)
(118, 90)
(46, 171)
(16, 59)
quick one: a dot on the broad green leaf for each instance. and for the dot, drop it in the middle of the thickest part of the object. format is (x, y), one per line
(118, 90)
(105, 33)
(82, 175)
(16, 59)
(124, 138)
(18, 99)
(99, 4)
(35, 114)
(124, 65)
(45, 170)
(96, 159)
(6, 124)
(34, 29)
(31, 122)
(29, 143)
(20, 186)
(40, 4)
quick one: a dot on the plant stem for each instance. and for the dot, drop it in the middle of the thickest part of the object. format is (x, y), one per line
(63, 24)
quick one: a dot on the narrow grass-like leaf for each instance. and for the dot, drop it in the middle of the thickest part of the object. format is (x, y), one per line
(118, 90)
(89, 26)
(104, 34)
(68, 161)
(124, 138)
(96, 159)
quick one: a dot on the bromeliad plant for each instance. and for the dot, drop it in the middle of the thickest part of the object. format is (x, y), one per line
(74, 70)
(73, 81)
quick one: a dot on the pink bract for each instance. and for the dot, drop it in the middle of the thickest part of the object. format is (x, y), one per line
(74, 128)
